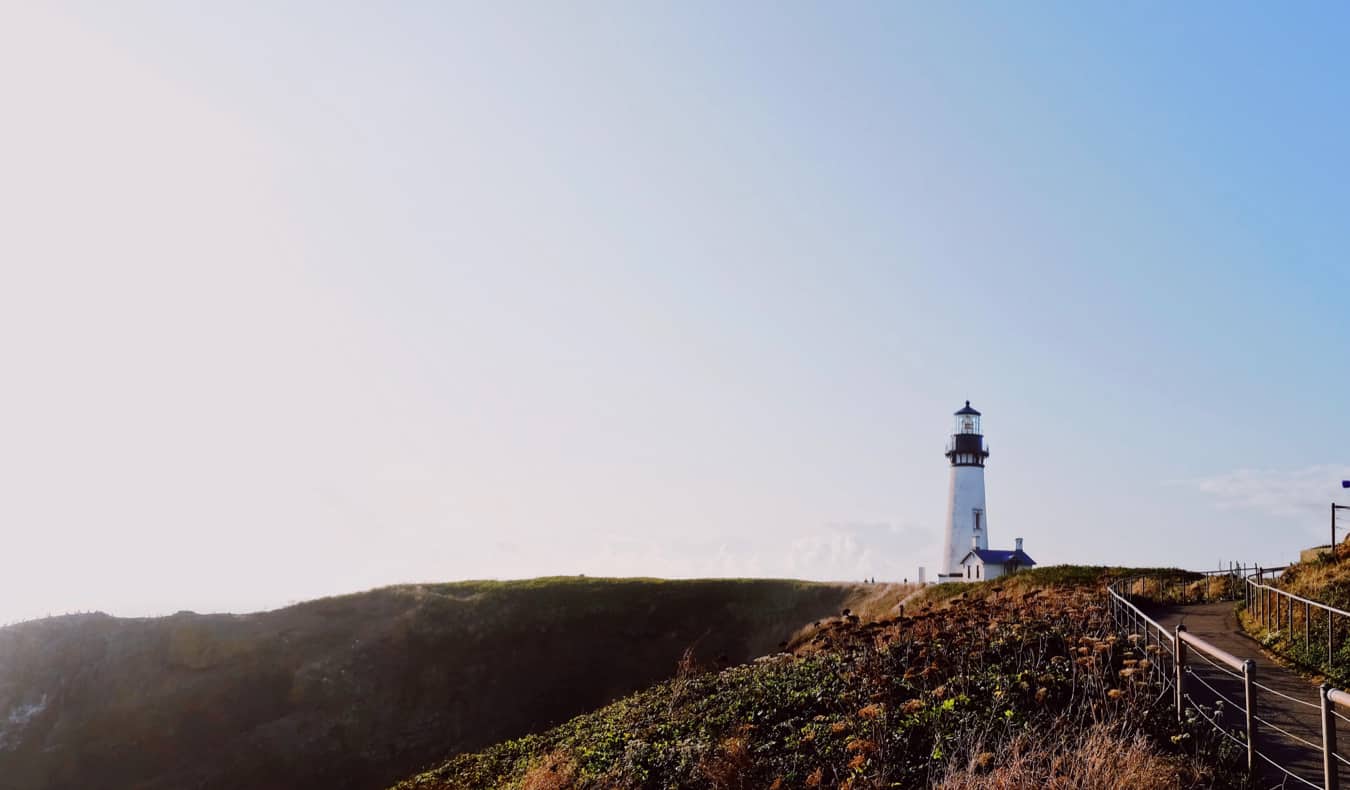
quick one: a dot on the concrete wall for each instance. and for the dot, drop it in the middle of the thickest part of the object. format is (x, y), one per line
(1310, 555)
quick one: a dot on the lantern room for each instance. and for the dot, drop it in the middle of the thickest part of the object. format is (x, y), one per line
(967, 421)
(966, 447)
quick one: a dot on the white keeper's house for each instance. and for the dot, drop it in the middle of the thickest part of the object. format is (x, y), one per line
(966, 555)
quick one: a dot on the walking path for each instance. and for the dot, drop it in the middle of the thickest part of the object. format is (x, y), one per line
(1297, 712)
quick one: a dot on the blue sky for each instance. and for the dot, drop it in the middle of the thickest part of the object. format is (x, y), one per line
(313, 297)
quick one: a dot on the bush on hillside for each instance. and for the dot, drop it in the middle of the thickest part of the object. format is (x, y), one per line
(1027, 686)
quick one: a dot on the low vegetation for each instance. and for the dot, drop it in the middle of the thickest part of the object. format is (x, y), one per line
(1015, 682)
(356, 691)
(1326, 579)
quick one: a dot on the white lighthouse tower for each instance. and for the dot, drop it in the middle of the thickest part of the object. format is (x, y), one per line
(967, 519)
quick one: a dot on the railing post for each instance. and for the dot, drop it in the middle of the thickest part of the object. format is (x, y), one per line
(1331, 648)
(1331, 779)
(1260, 596)
(1289, 602)
(1179, 647)
(1249, 691)
(1307, 627)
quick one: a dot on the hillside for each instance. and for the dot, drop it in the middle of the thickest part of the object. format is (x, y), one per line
(358, 690)
(1009, 683)
(1325, 579)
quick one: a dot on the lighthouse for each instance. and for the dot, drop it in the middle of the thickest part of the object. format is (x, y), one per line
(967, 518)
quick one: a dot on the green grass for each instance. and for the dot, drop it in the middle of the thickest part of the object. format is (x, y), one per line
(1046, 576)
(364, 689)
(900, 703)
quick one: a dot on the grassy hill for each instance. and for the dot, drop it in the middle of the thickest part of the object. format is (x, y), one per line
(1325, 579)
(1009, 683)
(358, 690)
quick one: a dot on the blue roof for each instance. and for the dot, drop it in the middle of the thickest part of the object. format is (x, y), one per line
(1000, 556)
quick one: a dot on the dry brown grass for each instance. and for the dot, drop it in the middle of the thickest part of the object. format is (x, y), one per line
(729, 768)
(1148, 588)
(555, 771)
(867, 602)
(1324, 580)
(1096, 759)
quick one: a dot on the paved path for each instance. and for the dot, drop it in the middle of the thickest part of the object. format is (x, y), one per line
(1217, 624)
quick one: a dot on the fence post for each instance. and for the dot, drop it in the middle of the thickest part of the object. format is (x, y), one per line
(1179, 647)
(1331, 647)
(1260, 596)
(1331, 779)
(1307, 627)
(1289, 602)
(1248, 670)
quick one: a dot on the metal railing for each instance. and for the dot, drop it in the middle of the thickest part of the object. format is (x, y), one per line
(1276, 610)
(1217, 667)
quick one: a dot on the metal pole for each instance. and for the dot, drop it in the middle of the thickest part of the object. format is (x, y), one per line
(1331, 780)
(1290, 603)
(1307, 627)
(1248, 670)
(1180, 649)
(1259, 595)
(1331, 647)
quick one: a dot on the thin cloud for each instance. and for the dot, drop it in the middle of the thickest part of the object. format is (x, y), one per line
(1282, 493)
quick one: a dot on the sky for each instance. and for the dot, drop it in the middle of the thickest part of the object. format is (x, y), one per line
(306, 298)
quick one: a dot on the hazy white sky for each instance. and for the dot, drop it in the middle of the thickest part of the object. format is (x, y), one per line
(306, 298)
